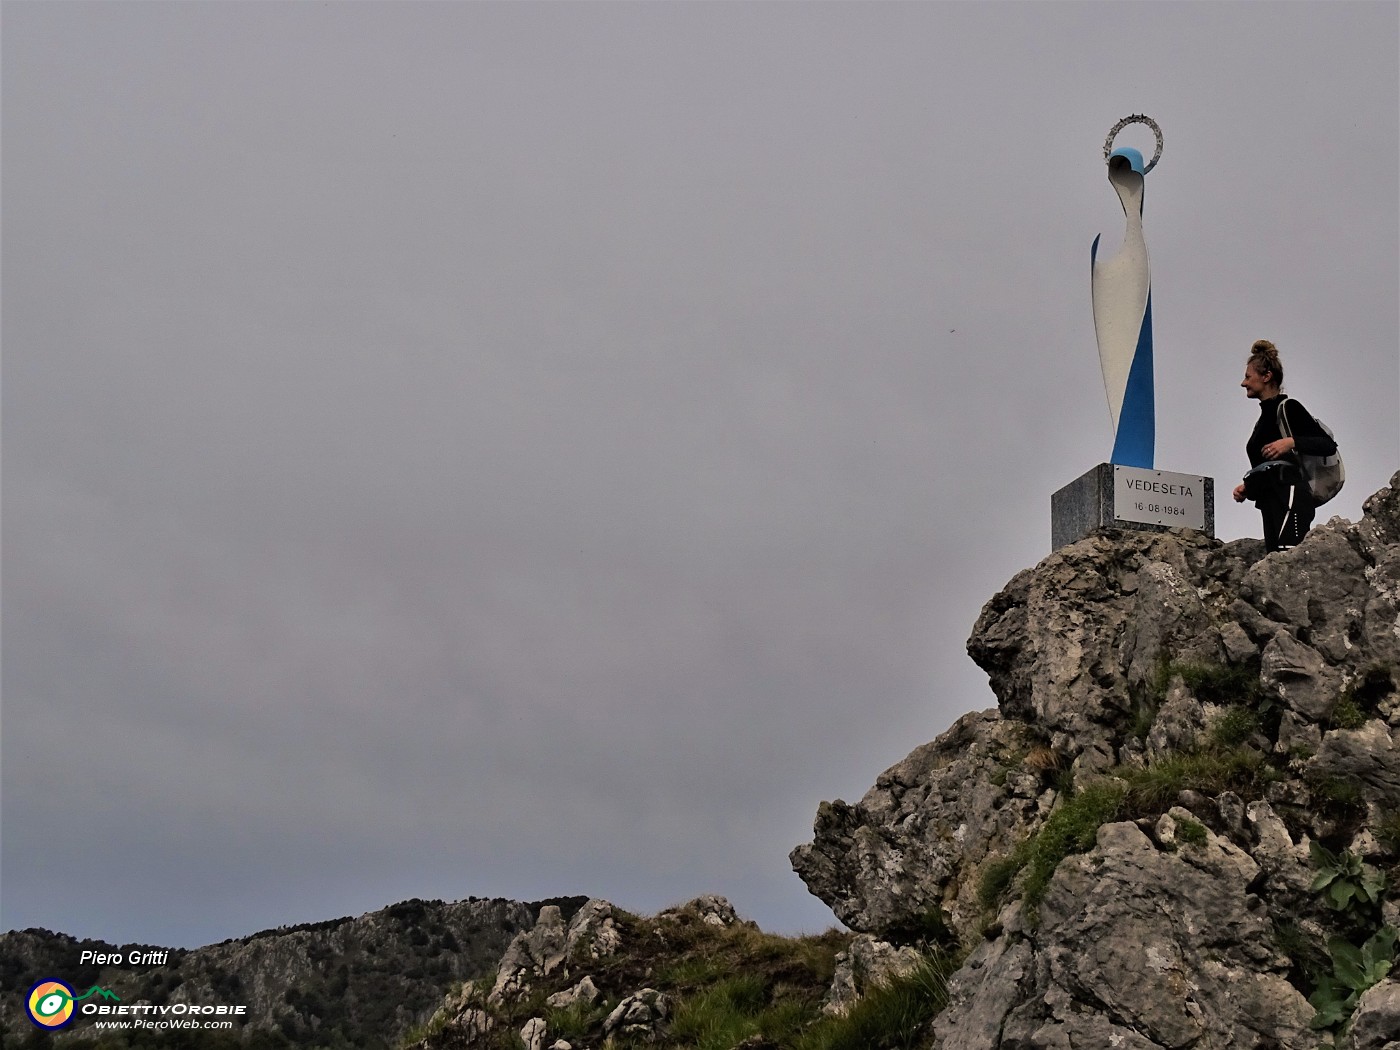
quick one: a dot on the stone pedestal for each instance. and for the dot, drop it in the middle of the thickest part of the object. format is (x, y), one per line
(1115, 497)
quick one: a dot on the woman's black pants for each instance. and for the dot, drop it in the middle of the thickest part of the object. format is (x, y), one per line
(1286, 504)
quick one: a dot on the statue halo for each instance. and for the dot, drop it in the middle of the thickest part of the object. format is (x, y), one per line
(1136, 118)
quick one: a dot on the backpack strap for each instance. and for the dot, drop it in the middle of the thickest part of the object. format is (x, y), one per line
(1292, 456)
(1283, 428)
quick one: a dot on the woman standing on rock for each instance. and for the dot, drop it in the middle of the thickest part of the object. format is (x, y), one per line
(1276, 482)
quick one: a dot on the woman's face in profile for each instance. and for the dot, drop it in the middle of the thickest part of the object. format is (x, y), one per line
(1253, 382)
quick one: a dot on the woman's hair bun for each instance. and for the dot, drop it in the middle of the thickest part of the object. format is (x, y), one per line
(1264, 356)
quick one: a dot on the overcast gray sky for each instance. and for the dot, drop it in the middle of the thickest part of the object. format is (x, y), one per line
(531, 449)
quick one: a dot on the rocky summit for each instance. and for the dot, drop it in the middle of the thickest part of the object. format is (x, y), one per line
(1180, 827)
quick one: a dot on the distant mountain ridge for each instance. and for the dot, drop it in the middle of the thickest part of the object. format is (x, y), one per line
(349, 981)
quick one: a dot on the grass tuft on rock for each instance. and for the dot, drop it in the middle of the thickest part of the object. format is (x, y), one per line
(893, 1016)
(1123, 793)
(1072, 828)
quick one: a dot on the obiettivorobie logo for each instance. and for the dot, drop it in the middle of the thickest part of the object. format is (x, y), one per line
(50, 1002)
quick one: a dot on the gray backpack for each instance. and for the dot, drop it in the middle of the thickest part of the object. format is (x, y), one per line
(1326, 474)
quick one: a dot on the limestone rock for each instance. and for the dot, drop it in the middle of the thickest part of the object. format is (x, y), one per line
(585, 991)
(1136, 946)
(641, 1014)
(867, 962)
(1180, 723)
(537, 952)
(1376, 1023)
(1284, 863)
(473, 1023)
(1240, 648)
(1381, 512)
(1065, 644)
(1316, 588)
(1306, 683)
(1367, 757)
(712, 911)
(1380, 615)
(1168, 618)
(903, 854)
(551, 943)
(593, 931)
(994, 980)
(1338, 592)
(532, 1035)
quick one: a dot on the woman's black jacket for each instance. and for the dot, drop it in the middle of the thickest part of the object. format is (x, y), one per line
(1308, 438)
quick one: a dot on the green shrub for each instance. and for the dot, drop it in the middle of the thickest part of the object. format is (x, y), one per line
(1144, 715)
(1347, 879)
(431, 1027)
(996, 879)
(1221, 683)
(1346, 713)
(1388, 829)
(1213, 683)
(1354, 970)
(1337, 797)
(1375, 684)
(1349, 885)
(926, 928)
(1235, 726)
(691, 971)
